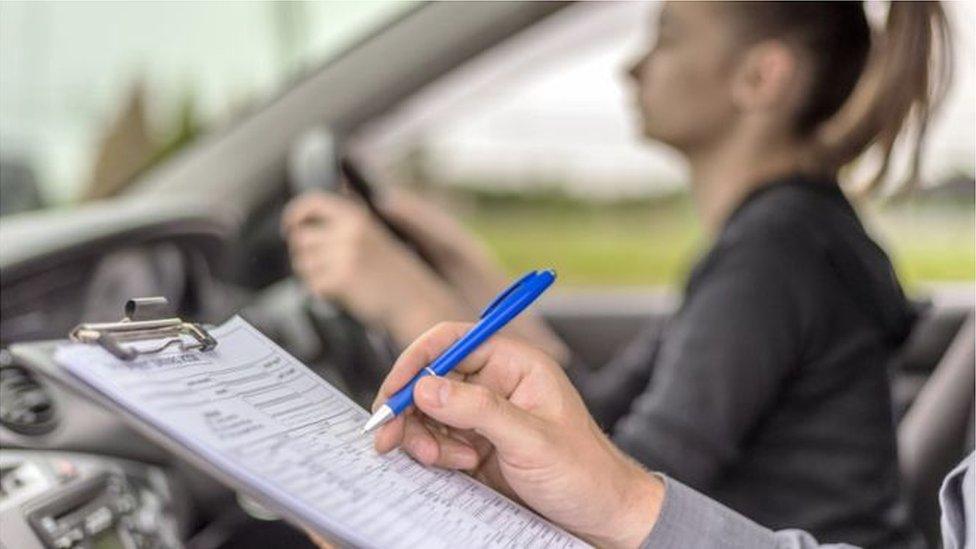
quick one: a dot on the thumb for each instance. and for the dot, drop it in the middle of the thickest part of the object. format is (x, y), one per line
(467, 406)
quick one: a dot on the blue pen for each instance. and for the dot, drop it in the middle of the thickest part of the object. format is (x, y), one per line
(496, 315)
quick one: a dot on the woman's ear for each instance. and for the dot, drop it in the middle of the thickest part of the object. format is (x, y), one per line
(766, 78)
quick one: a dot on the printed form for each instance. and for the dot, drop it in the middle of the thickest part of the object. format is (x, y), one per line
(266, 420)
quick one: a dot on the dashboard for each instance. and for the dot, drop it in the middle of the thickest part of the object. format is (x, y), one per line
(71, 473)
(68, 500)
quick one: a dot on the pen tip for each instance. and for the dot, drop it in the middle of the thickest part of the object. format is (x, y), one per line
(381, 416)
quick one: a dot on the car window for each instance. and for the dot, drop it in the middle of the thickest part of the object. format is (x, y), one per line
(96, 92)
(536, 146)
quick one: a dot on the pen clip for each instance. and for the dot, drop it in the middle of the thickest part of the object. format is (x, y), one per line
(504, 295)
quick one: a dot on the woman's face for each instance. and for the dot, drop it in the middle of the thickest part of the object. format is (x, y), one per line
(683, 82)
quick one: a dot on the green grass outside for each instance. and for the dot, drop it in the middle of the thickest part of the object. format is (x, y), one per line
(932, 243)
(655, 243)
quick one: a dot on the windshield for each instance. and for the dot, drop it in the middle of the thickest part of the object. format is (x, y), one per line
(95, 93)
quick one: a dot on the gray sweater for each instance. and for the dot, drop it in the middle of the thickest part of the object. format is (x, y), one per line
(689, 519)
(768, 390)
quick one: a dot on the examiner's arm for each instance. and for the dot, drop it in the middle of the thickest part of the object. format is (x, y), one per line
(690, 519)
(509, 416)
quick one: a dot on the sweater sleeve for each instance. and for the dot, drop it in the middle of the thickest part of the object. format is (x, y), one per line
(690, 519)
(720, 365)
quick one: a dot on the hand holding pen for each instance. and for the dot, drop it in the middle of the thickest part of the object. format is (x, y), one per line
(516, 423)
(496, 315)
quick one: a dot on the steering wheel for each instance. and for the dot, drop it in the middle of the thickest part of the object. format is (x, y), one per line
(360, 356)
(339, 347)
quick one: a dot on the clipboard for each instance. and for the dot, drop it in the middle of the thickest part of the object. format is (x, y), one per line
(41, 357)
(143, 320)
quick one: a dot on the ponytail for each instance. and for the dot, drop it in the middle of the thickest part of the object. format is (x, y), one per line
(906, 78)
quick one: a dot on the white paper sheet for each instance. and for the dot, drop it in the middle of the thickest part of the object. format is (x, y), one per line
(266, 420)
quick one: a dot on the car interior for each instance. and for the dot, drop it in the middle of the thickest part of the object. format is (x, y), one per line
(201, 229)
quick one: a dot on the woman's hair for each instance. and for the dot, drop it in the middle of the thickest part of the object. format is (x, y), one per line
(867, 88)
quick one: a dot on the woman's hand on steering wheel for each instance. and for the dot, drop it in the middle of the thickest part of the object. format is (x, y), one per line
(342, 253)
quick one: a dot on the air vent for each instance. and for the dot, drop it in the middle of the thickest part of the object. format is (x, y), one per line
(25, 405)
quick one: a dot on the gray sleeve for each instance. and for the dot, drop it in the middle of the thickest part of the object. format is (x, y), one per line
(689, 519)
(719, 365)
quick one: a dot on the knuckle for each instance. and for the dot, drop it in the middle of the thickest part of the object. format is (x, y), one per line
(357, 220)
(482, 399)
(535, 358)
(445, 332)
(546, 362)
(356, 234)
(313, 204)
(316, 198)
(442, 326)
(454, 327)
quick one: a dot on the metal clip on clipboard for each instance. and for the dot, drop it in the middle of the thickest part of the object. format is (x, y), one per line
(144, 320)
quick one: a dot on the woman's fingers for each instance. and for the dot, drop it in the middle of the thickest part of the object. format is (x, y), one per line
(306, 207)
(308, 238)
(314, 206)
(309, 267)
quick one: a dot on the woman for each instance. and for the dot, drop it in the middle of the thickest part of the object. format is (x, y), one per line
(768, 390)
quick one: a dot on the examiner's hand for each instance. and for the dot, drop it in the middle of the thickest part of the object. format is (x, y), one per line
(341, 252)
(509, 415)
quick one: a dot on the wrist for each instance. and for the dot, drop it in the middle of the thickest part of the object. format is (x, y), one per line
(642, 495)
